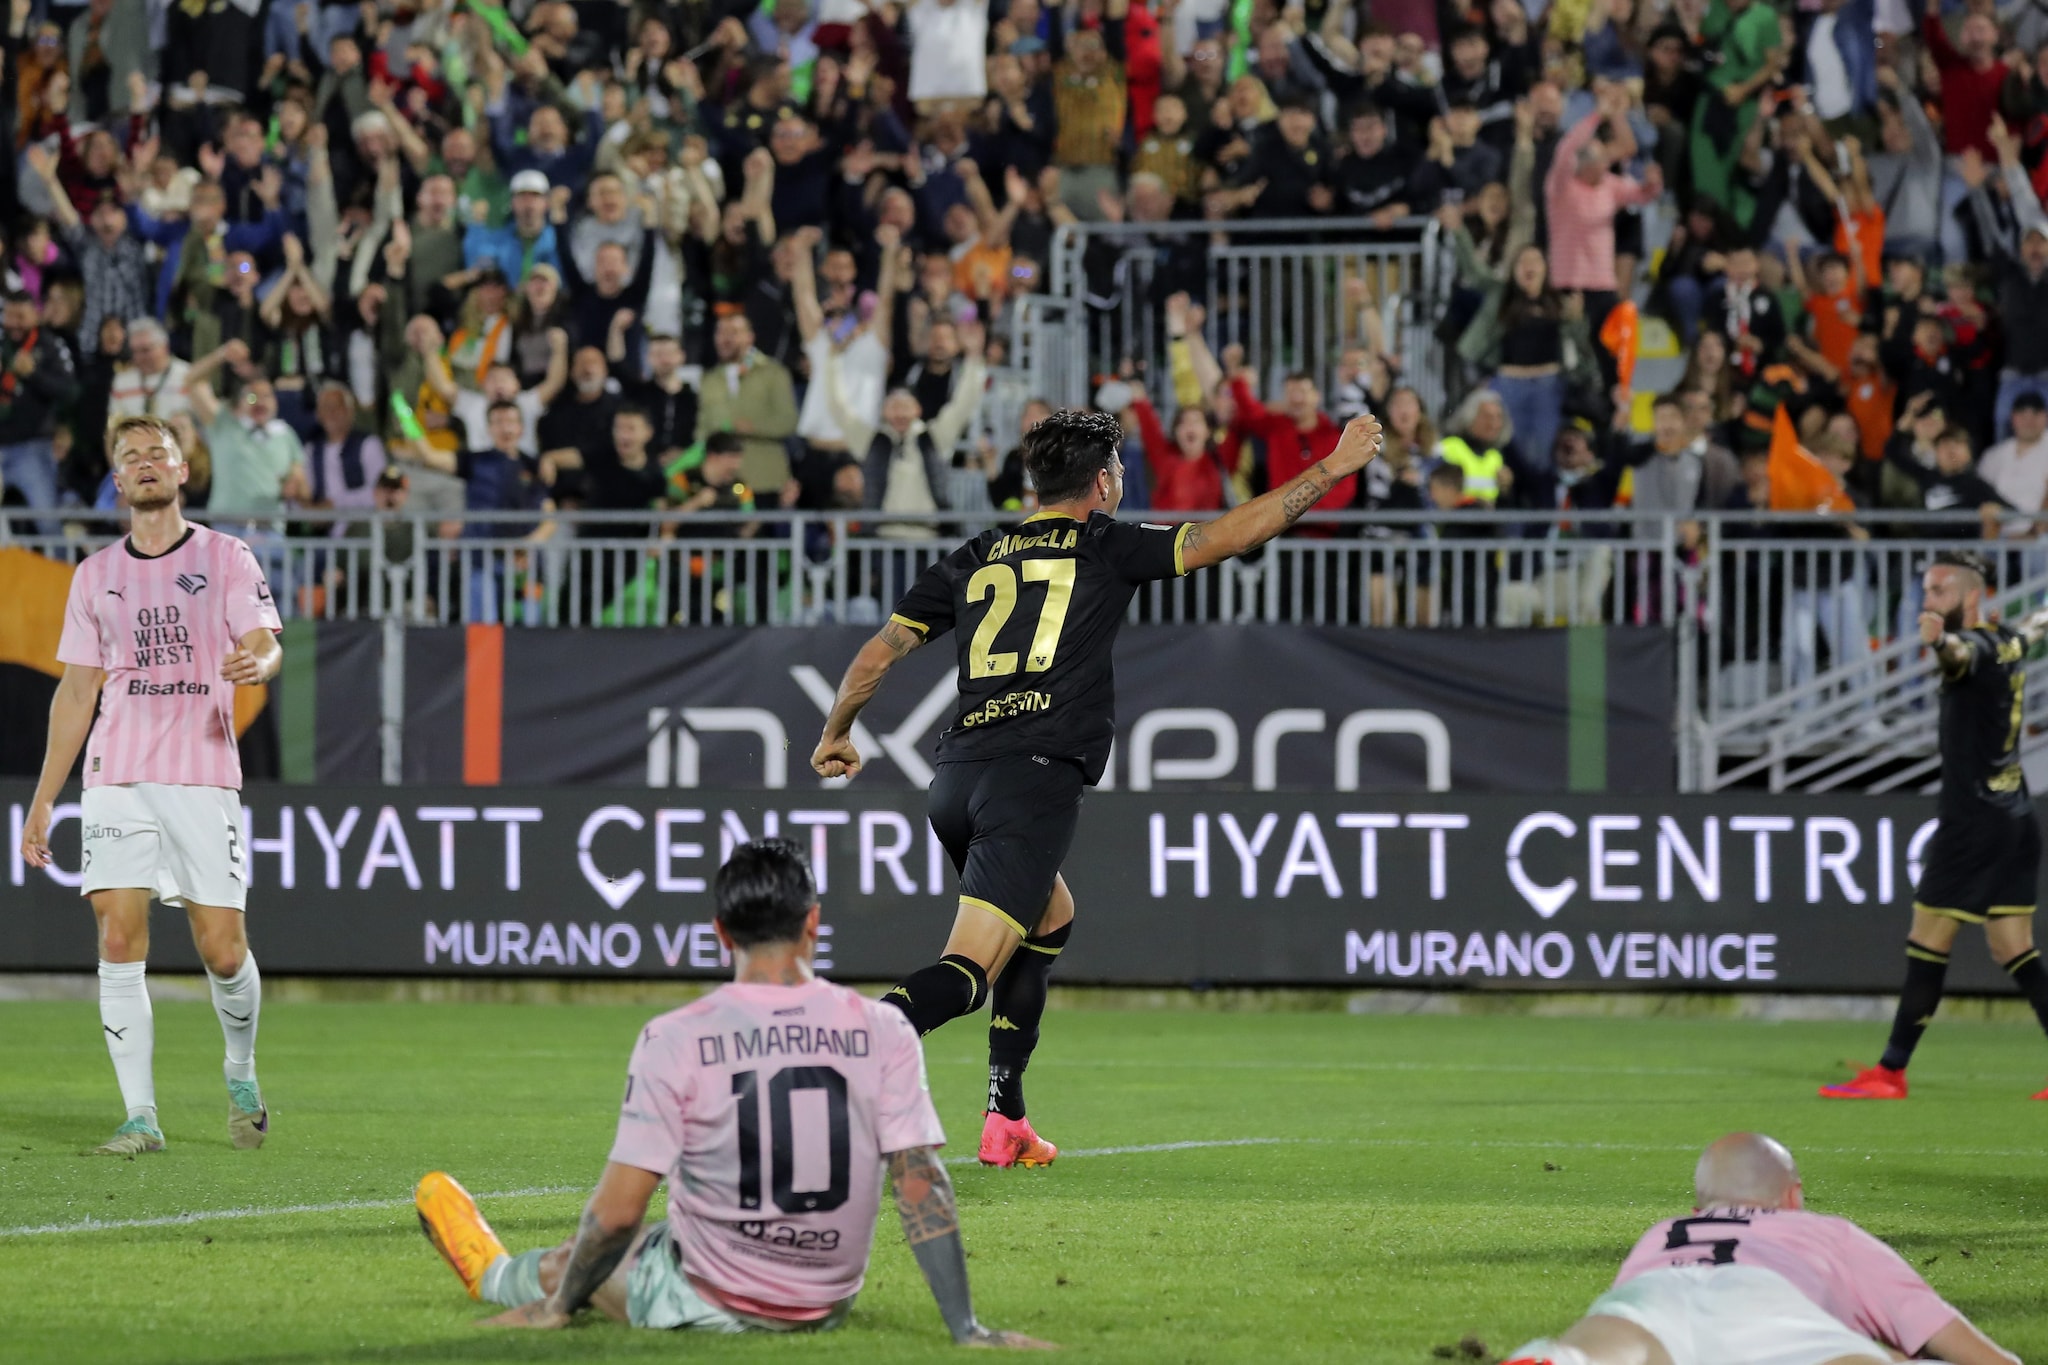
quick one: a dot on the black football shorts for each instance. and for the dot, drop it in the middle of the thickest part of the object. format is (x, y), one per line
(1982, 868)
(1007, 824)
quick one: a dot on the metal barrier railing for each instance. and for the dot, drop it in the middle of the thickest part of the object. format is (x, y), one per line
(1797, 660)
(1278, 288)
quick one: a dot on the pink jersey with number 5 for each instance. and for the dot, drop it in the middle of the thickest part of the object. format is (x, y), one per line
(1854, 1278)
(769, 1109)
(161, 626)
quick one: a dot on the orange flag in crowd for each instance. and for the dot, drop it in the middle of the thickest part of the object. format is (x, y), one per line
(1618, 335)
(1800, 483)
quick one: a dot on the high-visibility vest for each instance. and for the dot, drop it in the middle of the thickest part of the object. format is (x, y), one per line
(1481, 469)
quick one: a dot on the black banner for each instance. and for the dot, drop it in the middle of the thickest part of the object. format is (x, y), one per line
(1698, 893)
(1287, 708)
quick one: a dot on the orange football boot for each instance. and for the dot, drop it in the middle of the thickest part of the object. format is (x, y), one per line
(458, 1231)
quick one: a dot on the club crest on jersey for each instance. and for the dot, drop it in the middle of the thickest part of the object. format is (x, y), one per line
(192, 583)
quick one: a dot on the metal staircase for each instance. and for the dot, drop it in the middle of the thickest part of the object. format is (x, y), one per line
(1869, 725)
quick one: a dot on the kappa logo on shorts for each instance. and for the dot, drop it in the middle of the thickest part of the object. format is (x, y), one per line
(192, 583)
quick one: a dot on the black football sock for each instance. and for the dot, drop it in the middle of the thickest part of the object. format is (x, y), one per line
(1018, 1005)
(1925, 971)
(949, 988)
(2032, 978)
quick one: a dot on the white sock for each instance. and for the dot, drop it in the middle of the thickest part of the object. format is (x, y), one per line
(238, 1000)
(129, 1027)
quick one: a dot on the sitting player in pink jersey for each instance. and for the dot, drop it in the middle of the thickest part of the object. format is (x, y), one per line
(160, 629)
(769, 1106)
(1752, 1277)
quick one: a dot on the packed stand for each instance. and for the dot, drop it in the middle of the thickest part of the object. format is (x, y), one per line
(734, 259)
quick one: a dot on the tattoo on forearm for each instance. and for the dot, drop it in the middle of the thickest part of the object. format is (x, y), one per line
(1192, 541)
(596, 1255)
(924, 1198)
(924, 1195)
(1308, 490)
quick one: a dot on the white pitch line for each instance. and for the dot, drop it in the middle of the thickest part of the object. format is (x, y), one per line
(218, 1215)
(351, 1205)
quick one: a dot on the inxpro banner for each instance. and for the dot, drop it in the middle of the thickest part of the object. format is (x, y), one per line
(1514, 892)
(1255, 708)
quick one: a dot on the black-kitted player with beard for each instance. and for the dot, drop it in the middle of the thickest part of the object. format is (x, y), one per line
(1036, 607)
(1984, 860)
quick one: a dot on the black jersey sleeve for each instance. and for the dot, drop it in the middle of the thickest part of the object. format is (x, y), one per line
(1140, 554)
(928, 607)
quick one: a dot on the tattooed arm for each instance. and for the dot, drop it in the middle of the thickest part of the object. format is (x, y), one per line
(924, 1200)
(1252, 524)
(836, 756)
(611, 1220)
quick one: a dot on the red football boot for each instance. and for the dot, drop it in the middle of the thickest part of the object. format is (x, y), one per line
(1871, 1083)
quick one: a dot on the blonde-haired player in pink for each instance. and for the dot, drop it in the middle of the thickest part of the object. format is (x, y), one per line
(770, 1106)
(160, 629)
(1753, 1277)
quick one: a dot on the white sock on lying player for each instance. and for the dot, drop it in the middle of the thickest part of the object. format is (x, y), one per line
(513, 1280)
(129, 1026)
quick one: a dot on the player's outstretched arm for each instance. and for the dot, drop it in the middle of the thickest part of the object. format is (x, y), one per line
(1963, 1344)
(835, 755)
(611, 1220)
(1252, 524)
(931, 1224)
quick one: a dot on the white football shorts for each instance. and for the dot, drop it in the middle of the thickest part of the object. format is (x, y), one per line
(1715, 1314)
(179, 843)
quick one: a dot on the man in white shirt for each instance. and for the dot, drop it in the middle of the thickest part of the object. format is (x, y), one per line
(836, 334)
(948, 43)
(2018, 468)
(154, 385)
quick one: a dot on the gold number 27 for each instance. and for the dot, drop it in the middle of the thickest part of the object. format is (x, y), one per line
(999, 582)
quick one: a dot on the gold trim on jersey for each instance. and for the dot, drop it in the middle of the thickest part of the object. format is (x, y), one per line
(1180, 542)
(920, 627)
(996, 910)
(1047, 516)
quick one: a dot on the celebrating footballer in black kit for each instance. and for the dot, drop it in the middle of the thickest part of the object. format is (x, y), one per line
(1984, 860)
(1035, 609)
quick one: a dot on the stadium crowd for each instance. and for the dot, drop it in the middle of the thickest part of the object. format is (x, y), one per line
(706, 255)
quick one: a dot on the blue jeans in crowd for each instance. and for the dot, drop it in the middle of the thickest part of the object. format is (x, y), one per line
(1535, 406)
(30, 467)
(1688, 299)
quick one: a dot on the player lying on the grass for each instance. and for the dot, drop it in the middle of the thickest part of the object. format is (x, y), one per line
(159, 630)
(1036, 609)
(1985, 858)
(1752, 1277)
(769, 1106)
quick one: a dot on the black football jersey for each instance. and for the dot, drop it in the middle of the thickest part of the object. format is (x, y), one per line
(1981, 707)
(1036, 609)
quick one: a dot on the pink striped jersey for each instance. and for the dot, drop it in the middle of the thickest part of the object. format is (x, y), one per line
(161, 626)
(769, 1109)
(1854, 1278)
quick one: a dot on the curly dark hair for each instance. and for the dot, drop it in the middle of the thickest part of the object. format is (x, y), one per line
(1065, 452)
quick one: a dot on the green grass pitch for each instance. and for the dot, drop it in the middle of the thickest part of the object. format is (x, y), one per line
(1420, 1179)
